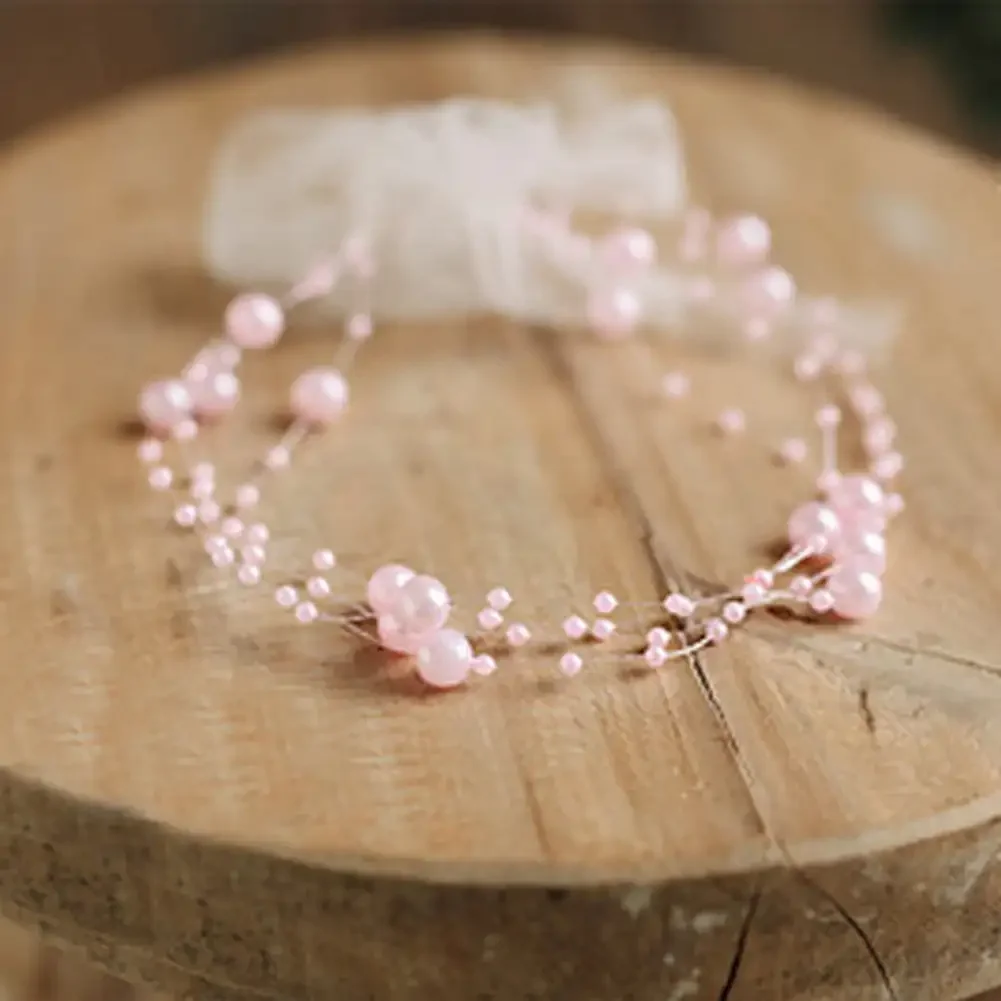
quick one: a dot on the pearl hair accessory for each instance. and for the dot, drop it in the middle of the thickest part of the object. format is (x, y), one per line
(836, 555)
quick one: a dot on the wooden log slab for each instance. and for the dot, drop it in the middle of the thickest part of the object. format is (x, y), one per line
(209, 801)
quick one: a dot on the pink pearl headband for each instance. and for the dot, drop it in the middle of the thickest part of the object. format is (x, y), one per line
(836, 556)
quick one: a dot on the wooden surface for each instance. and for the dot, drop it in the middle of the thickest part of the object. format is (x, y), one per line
(189, 784)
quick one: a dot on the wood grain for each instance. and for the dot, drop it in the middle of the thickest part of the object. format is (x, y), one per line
(211, 801)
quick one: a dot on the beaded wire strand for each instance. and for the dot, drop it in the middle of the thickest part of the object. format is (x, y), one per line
(835, 560)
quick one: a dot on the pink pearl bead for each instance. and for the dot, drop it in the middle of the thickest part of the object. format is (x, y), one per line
(258, 534)
(319, 396)
(286, 596)
(484, 665)
(164, 405)
(828, 417)
(571, 664)
(489, 619)
(223, 557)
(807, 367)
(675, 385)
(160, 478)
(150, 451)
(768, 292)
(186, 515)
(232, 528)
(614, 313)
(255, 321)
(629, 249)
(424, 605)
(317, 587)
(734, 612)
(801, 586)
(792, 451)
(821, 601)
(444, 659)
(209, 512)
(575, 627)
(306, 612)
(743, 240)
(856, 493)
(253, 555)
(324, 559)
(887, 466)
(753, 594)
(385, 587)
(716, 630)
(679, 605)
(655, 656)
(658, 636)
(731, 421)
(392, 637)
(278, 458)
(878, 437)
(605, 602)
(603, 629)
(215, 395)
(499, 599)
(858, 522)
(857, 593)
(248, 576)
(866, 400)
(518, 634)
(864, 551)
(814, 521)
(893, 505)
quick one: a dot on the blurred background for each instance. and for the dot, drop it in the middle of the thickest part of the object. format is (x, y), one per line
(935, 63)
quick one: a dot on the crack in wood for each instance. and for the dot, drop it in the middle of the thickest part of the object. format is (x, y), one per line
(668, 575)
(741, 945)
(860, 933)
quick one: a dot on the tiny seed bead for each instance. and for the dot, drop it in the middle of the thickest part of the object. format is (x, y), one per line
(499, 599)
(489, 619)
(602, 629)
(518, 634)
(571, 664)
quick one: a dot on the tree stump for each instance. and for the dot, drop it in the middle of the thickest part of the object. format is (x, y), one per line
(220, 806)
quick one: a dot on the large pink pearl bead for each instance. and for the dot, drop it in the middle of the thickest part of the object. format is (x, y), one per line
(164, 405)
(385, 587)
(864, 551)
(814, 522)
(424, 605)
(255, 321)
(629, 249)
(393, 638)
(319, 396)
(743, 240)
(445, 659)
(216, 394)
(856, 493)
(857, 593)
(614, 313)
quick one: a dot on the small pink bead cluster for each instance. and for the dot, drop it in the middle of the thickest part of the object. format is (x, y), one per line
(837, 543)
